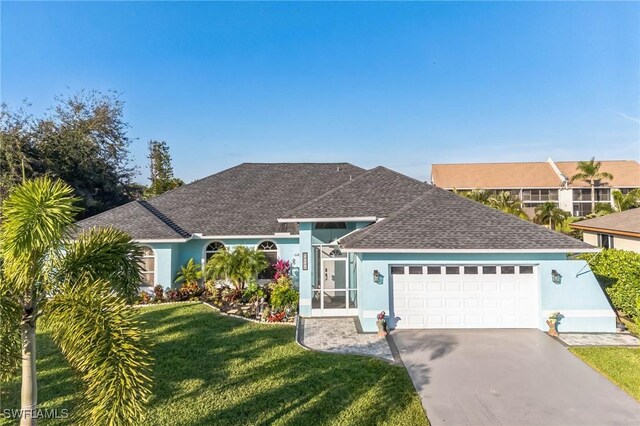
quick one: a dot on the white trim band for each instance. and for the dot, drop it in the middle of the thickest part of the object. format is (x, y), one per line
(328, 219)
(409, 250)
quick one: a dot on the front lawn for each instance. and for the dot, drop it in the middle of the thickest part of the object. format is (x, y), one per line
(212, 369)
(620, 365)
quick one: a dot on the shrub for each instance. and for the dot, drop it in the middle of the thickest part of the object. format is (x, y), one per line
(253, 293)
(190, 290)
(282, 268)
(619, 273)
(158, 293)
(231, 295)
(144, 298)
(277, 317)
(189, 274)
(283, 294)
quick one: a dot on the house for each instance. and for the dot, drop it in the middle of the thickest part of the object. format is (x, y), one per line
(365, 241)
(617, 230)
(538, 182)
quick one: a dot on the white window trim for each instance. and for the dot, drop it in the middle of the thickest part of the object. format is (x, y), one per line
(203, 258)
(155, 266)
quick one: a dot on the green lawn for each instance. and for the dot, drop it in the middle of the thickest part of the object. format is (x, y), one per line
(620, 365)
(210, 369)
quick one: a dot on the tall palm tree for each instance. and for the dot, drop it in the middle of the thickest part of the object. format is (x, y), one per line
(238, 266)
(79, 289)
(627, 201)
(508, 203)
(589, 172)
(550, 213)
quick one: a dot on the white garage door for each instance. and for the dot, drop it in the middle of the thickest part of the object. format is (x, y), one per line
(465, 296)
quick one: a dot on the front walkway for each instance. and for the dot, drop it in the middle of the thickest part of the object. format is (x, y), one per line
(599, 339)
(340, 335)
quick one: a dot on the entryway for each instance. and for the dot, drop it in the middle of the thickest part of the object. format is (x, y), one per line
(332, 294)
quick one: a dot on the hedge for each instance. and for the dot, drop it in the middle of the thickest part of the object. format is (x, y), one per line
(619, 273)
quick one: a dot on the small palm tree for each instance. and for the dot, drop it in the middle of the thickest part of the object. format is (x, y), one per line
(550, 213)
(190, 273)
(79, 289)
(506, 202)
(479, 195)
(238, 266)
(627, 201)
(589, 172)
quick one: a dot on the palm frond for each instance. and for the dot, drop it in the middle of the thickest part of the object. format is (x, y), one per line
(10, 354)
(104, 254)
(102, 340)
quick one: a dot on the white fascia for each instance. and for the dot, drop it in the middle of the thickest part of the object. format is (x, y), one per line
(328, 219)
(494, 251)
(236, 237)
(167, 240)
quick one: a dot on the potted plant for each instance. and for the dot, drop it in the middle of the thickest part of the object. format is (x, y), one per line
(552, 322)
(382, 324)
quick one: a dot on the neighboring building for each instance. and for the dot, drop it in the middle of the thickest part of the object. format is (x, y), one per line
(539, 182)
(616, 230)
(365, 241)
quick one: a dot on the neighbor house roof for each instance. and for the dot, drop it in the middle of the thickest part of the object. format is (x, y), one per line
(440, 221)
(244, 200)
(624, 223)
(373, 194)
(527, 175)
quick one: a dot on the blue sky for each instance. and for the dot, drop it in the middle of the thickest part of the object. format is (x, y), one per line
(399, 84)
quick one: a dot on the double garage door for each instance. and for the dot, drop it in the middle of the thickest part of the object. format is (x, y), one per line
(465, 296)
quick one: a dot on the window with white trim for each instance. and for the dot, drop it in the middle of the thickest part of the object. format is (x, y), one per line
(605, 241)
(148, 266)
(212, 249)
(270, 250)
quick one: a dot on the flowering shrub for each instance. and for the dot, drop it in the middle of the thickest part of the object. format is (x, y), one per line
(276, 317)
(173, 295)
(283, 294)
(381, 316)
(158, 293)
(231, 295)
(144, 298)
(282, 268)
(190, 290)
(253, 293)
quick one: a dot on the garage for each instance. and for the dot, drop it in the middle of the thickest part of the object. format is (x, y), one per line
(464, 296)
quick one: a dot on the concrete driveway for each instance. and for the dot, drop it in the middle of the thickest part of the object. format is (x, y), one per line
(508, 377)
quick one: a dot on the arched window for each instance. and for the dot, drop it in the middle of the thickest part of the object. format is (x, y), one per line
(270, 250)
(212, 249)
(148, 269)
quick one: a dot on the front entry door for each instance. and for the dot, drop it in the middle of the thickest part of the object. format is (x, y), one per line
(333, 295)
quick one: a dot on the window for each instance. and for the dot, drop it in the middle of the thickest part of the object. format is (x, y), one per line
(212, 249)
(605, 241)
(434, 270)
(581, 209)
(415, 270)
(601, 194)
(397, 270)
(471, 270)
(540, 195)
(489, 270)
(148, 266)
(526, 269)
(331, 225)
(270, 250)
(505, 270)
(452, 270)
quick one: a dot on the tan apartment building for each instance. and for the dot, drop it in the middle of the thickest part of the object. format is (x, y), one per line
(539, 182)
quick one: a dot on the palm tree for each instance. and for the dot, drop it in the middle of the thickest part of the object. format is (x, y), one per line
(478, 195)
(79, 289)
(508, 203)
(550, 213)
(589, 172)
(238, 266)
(189, 273)
(627, 201)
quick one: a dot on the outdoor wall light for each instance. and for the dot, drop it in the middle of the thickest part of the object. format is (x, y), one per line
(556, 277)
(376, 276)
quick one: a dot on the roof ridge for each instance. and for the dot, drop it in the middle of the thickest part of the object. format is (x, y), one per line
(332, 190)
(164, 218)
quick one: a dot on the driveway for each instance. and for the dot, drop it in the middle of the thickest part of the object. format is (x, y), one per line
(508, 377)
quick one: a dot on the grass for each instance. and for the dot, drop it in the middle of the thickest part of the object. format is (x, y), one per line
(632, 326)
(211, 369)
(620, 365)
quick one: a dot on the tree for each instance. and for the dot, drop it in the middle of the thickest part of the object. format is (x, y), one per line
(79, 288)
(479, 195)
(238, 266)
(550, 213)
(508, 203)
(161, 171)
(589, 172)
(626, 201)
(82, 140)
(190, 273)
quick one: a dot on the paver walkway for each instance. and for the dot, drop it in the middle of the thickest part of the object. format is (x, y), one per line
(340, 335)
(599, 339)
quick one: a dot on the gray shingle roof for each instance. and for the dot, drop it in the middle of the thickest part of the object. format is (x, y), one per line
(441, 220)
(243, 200)
(626, 221)
(377, 192)
(138, 220)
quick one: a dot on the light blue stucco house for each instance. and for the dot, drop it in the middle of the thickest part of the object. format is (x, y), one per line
(365, 241)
